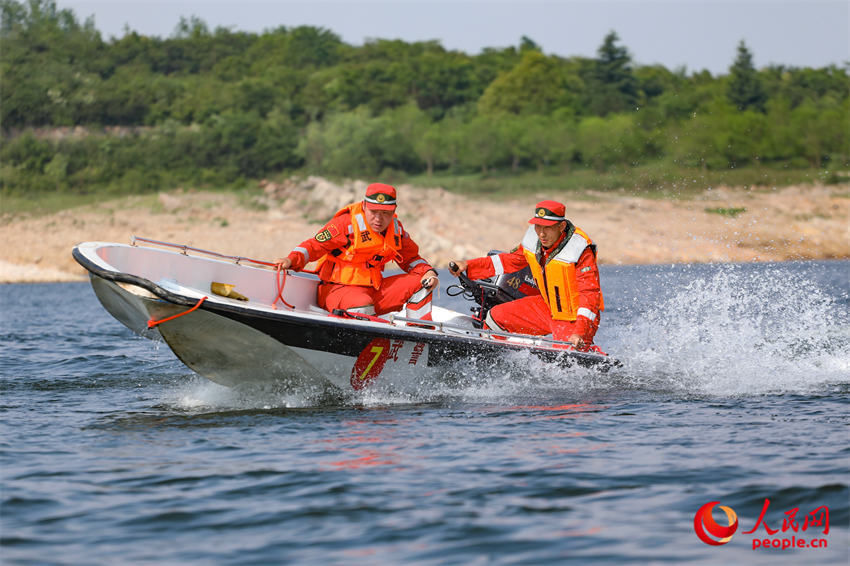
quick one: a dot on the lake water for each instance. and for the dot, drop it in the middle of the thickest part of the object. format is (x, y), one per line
(735, 389)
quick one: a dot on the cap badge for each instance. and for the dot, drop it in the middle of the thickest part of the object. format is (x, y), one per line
(541, 212)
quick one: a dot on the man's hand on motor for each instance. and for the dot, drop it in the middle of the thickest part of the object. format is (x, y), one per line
(457, 267)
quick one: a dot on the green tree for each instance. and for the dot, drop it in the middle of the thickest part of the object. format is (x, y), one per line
(779, 143)
(491, 62)
(49, 64)
(550, 139)
(743, 136)
(483, 144)
(394, 137)
(409, 137)
(528, 44)
(611, 84)
(512, 130)
(343, 144)
(310, 46)
(821, 130)
(745, 90)
(376, 84)
(533, 86)
(616, 139)
(445, 80)
(451, 132)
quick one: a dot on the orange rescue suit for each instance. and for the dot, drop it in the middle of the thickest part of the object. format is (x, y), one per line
(557, 277)
(363, 261)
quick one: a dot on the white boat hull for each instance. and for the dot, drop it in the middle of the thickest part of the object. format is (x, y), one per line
(290, 341)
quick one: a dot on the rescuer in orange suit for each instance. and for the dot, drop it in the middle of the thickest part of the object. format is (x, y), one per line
(562, 258)
(352, 250)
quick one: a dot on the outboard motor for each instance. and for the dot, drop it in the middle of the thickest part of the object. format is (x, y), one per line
(488, 293)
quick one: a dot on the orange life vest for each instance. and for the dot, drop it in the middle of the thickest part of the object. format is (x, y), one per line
(557, 278)
(363, 261)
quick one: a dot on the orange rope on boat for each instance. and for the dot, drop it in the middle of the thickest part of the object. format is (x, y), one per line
(280, 283)
(152, 322)
(280, 280)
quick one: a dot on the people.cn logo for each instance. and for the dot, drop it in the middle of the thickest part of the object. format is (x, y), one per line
(705, 525)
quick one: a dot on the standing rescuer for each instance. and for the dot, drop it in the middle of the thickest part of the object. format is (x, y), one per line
(562, 258)
(352, 250)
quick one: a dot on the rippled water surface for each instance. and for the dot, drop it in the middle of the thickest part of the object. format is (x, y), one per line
(735, 389)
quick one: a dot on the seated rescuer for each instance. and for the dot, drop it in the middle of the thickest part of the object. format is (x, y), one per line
(563, 261)
(352, 250)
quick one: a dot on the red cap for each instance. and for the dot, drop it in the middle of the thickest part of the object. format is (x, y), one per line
(380, 197)
(548, 213)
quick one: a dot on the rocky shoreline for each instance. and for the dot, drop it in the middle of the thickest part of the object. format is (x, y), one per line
(719, 225)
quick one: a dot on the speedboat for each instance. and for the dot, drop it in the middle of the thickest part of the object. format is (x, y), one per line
(237, 321)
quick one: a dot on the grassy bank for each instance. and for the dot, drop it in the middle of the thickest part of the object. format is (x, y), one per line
(649, 181)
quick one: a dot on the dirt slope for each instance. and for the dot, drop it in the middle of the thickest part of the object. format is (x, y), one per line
(802, 222)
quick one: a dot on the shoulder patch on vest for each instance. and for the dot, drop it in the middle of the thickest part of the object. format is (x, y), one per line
(328, 233)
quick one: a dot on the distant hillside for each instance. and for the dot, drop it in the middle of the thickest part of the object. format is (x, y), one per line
(219, 107)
